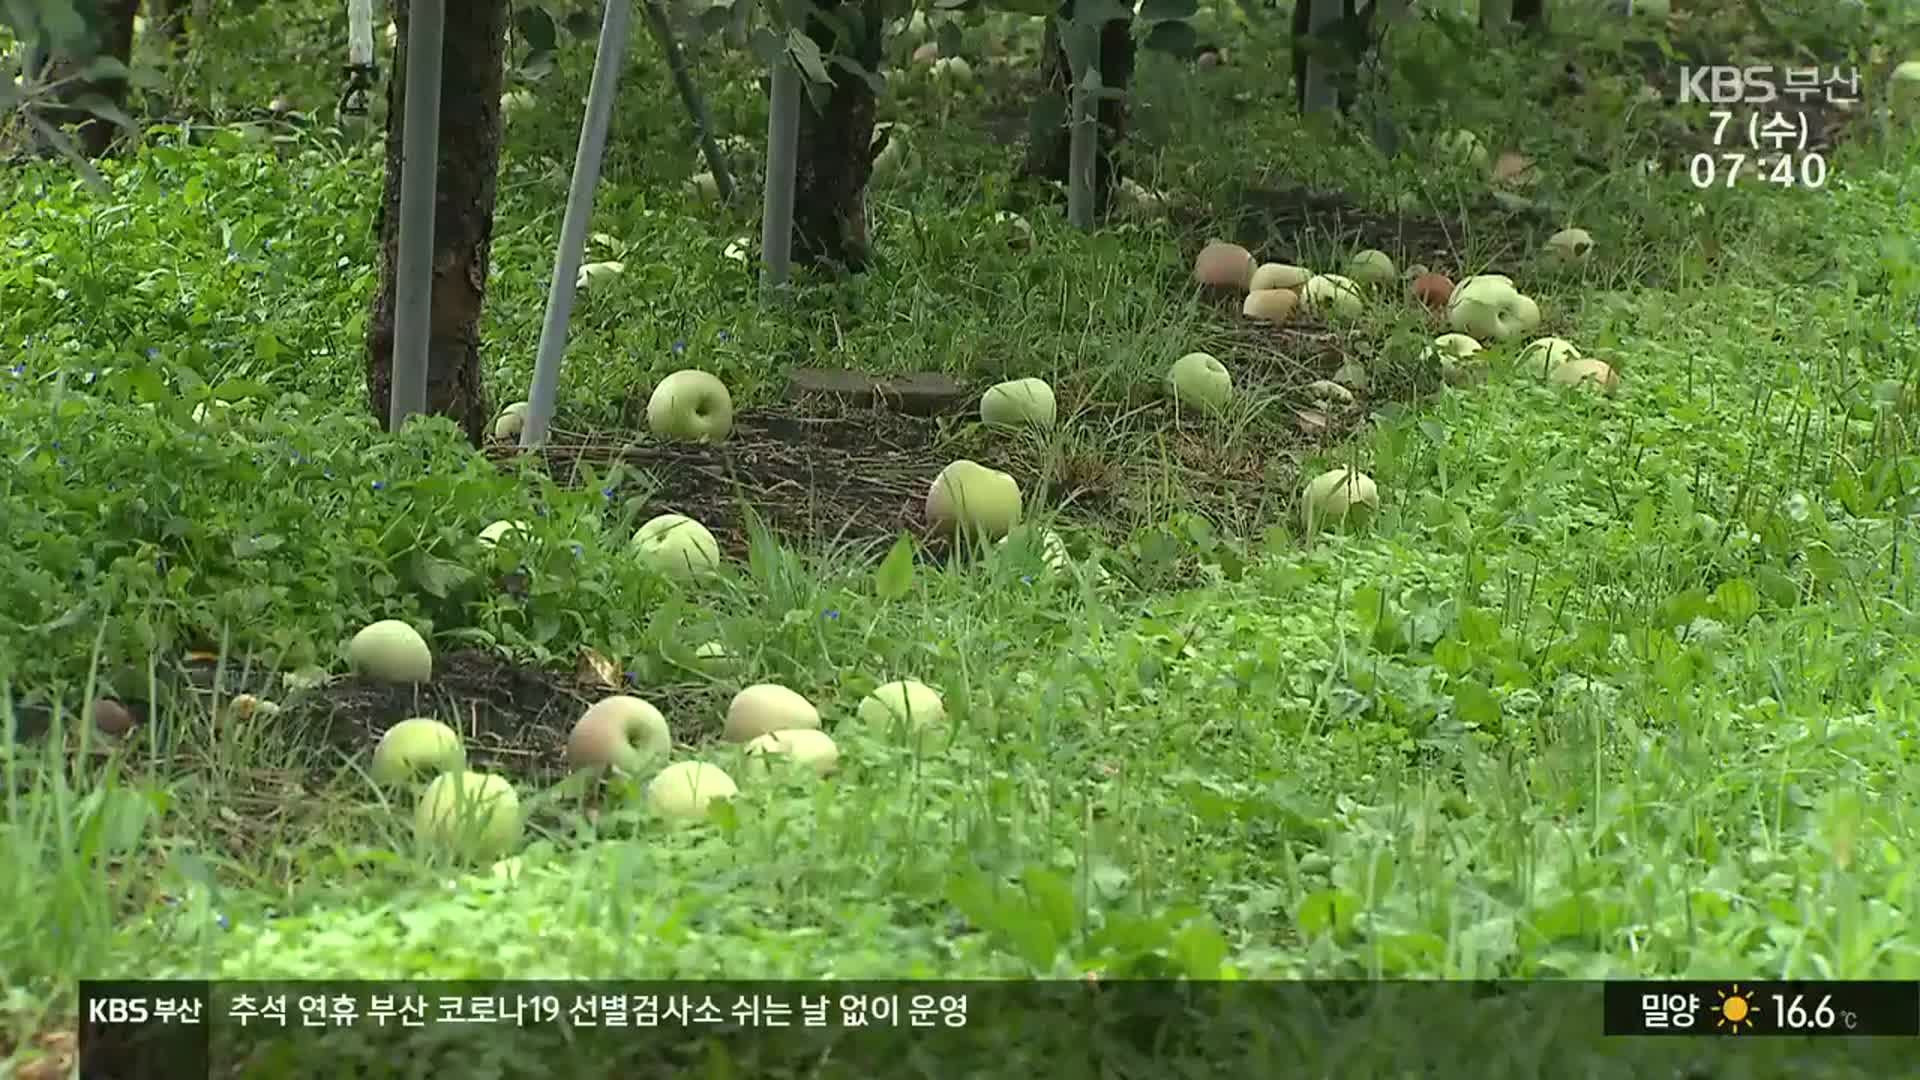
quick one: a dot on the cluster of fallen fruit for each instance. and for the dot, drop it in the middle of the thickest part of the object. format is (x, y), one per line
(476, 815)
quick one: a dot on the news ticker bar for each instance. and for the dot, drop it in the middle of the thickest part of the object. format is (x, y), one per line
(255, 1010)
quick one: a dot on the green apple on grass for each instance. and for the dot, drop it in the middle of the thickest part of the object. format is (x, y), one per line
(511, 421)
(1453, 354)
(1332, 296)
(704, 187)
(1278, 276)
(970, 498)
(1018, 403)
(416, 747)
(1542, 355)
(1585, 371)
(1465, 148)
(1903, 91)
(1372, 266)
(468, 813)
(1270, 305)
(1339, 496)
(620, 732)
(809, 748)
(764, 708)
(1329, 394)
(391, 651)
(1488, 307)
(684, 791)
(677, 546)
(690, 406)
(1198, 381)
(492, 534)
(905, 701)
(1570, 245)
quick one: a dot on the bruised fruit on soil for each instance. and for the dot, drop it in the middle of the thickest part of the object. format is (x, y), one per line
(415, 748)
(1279, 276)
(468, 813)
(1433, 290)
(619, 732)
(1018, 403)
(683, 791)
(391, 651)
(1198, 381)
(970, 498)
(677, 546)
(904, 701)
(1270, 305)
(111, 717)
(1221, 265)
(765, 708)
(807, 747)
(1339, 496)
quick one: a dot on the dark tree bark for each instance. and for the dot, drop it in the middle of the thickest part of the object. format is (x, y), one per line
(834, 158)
(110, 30)
(1048, 158)
(170, 22)
(1530, 14)
(472, 72)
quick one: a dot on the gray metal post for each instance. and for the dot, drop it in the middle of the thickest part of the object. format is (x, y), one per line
(1318, 95)
(611, 53)
(783, 138)
(419, 169)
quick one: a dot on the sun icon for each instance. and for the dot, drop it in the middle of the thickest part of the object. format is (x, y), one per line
(1736, 1008)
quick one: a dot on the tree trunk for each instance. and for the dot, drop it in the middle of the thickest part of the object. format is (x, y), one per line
(473, 70)
(1531, 14)
(110, 30)
(835, 156)
(1048, 157)
(1354, 30)
(170, 22)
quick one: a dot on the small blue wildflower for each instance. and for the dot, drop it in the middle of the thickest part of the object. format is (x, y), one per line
(18, 370)
(326, 474)
(225, 924)
(679, 346)
(833, 613)
(152, 352)
(379, 485)
(607, 492)
(1026, 579)
(725, 337)
(578, 551)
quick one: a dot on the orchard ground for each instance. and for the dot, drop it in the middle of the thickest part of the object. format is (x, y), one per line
(1614, 685)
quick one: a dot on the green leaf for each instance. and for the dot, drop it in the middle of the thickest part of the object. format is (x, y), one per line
(536, 28)
(1166, 10)
(1736, 600)
(895, 575)
(806, 53)
(1474, 704)
(1051, 895)
(1328, 911)
(767, 45)
(1200, 950)
(435, 576)
(949, 39)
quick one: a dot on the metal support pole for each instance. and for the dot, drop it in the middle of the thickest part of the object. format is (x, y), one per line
(611, 53)
(419, 177)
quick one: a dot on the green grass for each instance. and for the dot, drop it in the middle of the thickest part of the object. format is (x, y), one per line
(1613, 686)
